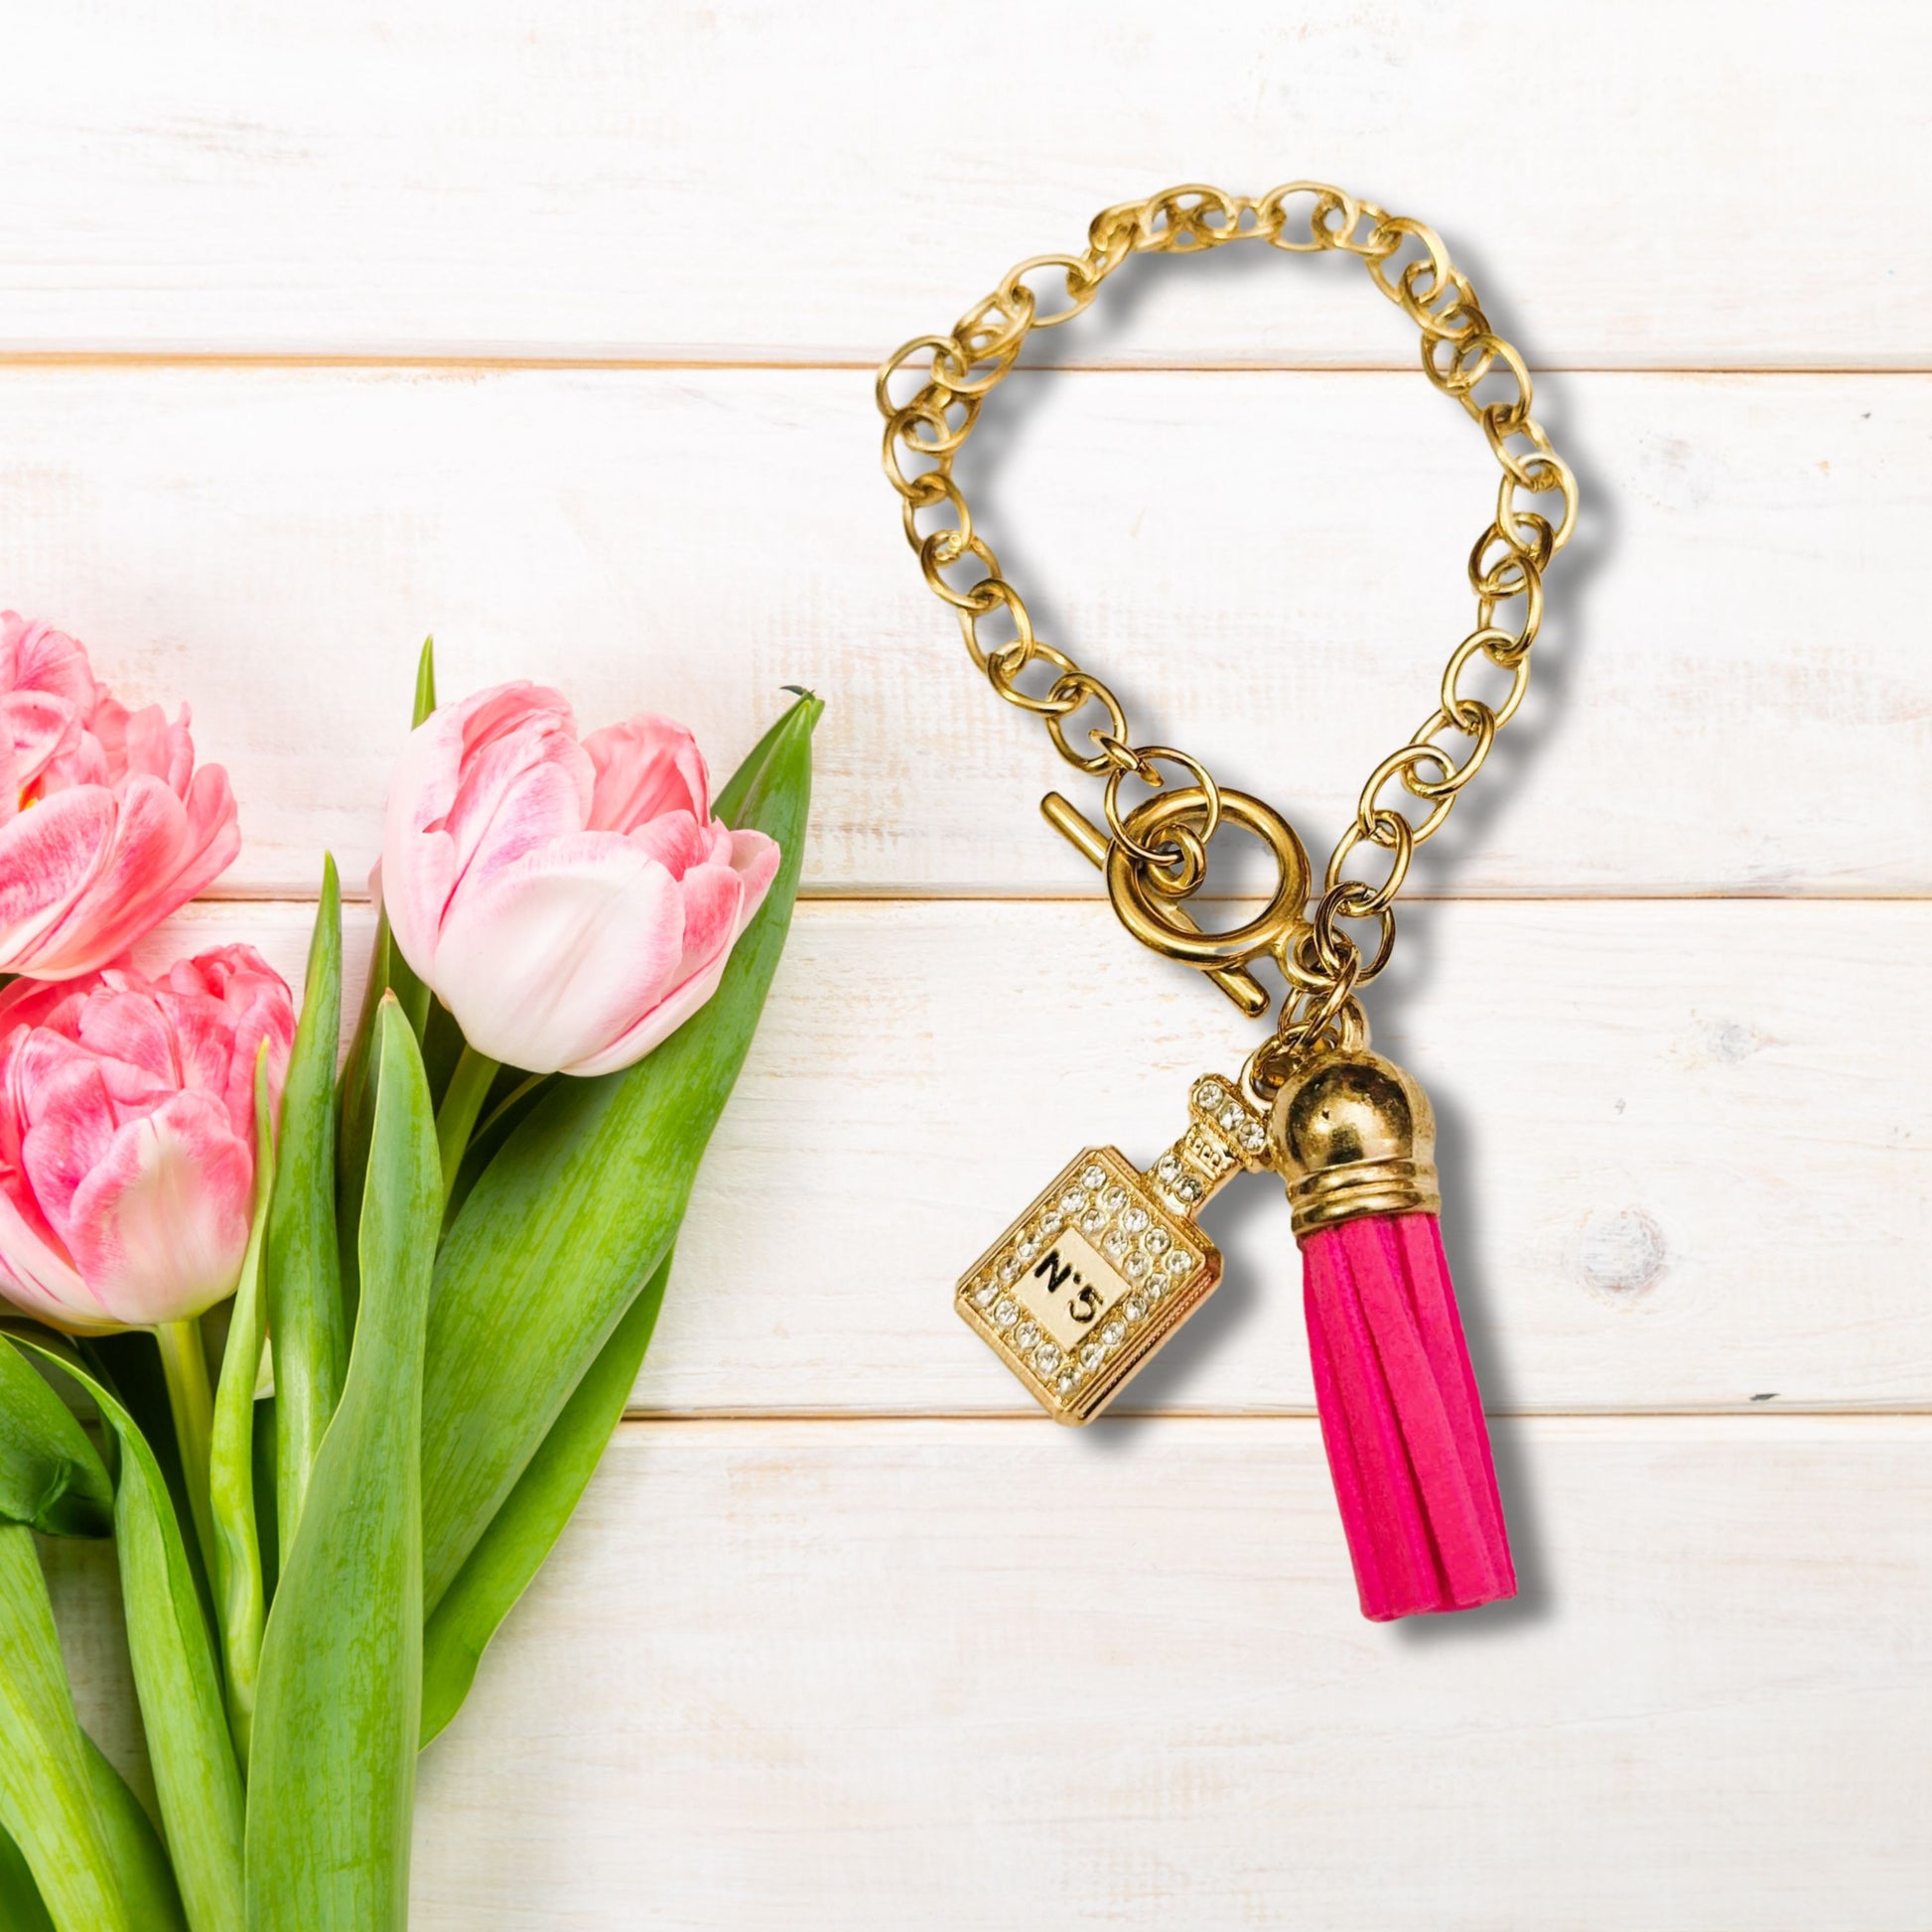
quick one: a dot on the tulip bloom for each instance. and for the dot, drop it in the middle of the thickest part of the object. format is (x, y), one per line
(105, 825)
(571, 901)
(127, 1136)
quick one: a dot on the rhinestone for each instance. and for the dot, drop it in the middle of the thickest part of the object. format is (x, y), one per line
(1156, 1241)
(1253, 1137)
(1114, 1199)
(1026, 1335)
(1047, 1357)
(1167, 1167)
(1050, 1223)
(1006, 1312)
(1114, 1334)
(1093, 1220)
(1209, 1094)
(986, 1294)
(1092, 1355)
(1026, 1249)
(1180, 1262)
(1155, 1289)
(1134, 1220)
(1133, 1308)
(1009, 1270)
(1092, 1178)
(1072, 1202)
(1187, 1187)
(1137, 1266)
(1066, 1383)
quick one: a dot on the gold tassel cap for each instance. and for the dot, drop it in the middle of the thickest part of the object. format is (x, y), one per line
(1354, 1135)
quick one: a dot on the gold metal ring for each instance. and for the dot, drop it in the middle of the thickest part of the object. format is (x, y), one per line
(1144, 759)
(1145, 919)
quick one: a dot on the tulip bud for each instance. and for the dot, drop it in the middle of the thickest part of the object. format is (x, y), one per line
(105, 825)
(571, 903)
(127, 1136)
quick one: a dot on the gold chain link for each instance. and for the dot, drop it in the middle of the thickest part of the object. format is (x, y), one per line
(1324, 963)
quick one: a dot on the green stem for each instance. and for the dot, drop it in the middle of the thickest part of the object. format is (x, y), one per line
(183, 1365)
(463, 1101)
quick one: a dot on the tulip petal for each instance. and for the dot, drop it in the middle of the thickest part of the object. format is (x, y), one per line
(36, 1273)
(711, 897)
(47, 856)
(676, 840)
(38, 728)
(74, 1124)
(160, 1226)
(553, 958)
(646, 768)
(701, 967)
(521, 792)
(755, 858)
(500, 770)
(160, 852)
(37, 654)
(146, 746)
(127, 1026)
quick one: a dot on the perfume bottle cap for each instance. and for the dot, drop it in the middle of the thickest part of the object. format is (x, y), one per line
(1353, 1135)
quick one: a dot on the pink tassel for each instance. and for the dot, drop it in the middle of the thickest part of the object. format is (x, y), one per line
(1408, 1446)
(1401, 1414)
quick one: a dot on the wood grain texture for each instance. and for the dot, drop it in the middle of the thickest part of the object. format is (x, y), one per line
(1676, 1177)
(1729, 695)
(967, 1673)
(961, 1675)
(1645, 185)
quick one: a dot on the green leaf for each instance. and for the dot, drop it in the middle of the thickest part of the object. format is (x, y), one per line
(333, 1783)
(51, 1476)
(47, 1801)
(196, 1777)
(232, 1450)
(389, 972)
(140, 1860)
(302, 1276)
(128, 1366)
(21, 1909)
(581, 1203)
(519, 1537)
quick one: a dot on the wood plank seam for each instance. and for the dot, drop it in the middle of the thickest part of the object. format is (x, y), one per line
(724, 360)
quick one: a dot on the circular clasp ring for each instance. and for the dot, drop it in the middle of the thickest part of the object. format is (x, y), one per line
(1150, 924)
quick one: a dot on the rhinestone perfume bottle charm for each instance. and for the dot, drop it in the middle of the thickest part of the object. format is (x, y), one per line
(1078, 1294)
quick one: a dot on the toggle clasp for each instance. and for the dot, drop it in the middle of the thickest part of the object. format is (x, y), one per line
(1145, 897)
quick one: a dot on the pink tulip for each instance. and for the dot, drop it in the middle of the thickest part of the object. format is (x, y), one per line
(105, 825)
(571, 903)
(127, 1136)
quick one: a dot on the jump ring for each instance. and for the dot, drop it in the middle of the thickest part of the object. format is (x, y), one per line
(1146, 757)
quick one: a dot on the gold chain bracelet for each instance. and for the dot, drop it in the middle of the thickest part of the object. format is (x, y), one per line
(1110, 1258)
(1155, 856)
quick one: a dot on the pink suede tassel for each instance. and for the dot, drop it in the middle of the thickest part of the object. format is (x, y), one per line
(1402, 1418)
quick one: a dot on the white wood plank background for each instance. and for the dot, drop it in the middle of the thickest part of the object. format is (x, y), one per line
(954, 1674)
(1675, 1177)
(1731, 693)
(548, 329)
(1653, 184)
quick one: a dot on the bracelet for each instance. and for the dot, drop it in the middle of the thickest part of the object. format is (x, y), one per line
(1109, 1259)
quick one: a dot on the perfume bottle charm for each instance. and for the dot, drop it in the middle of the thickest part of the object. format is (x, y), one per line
(1098, 1274)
